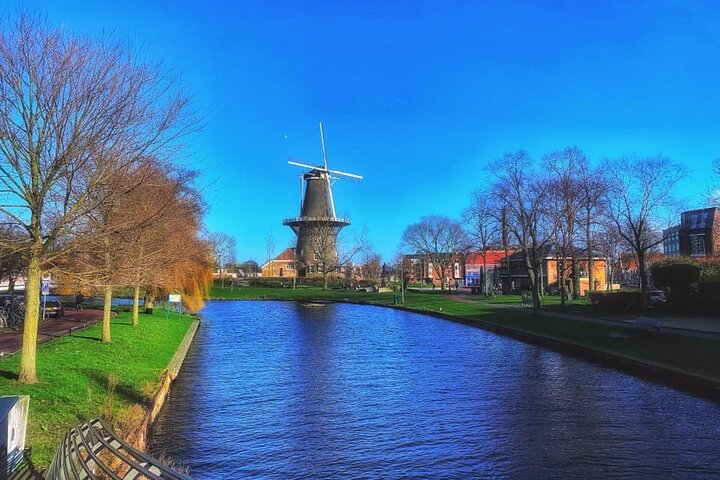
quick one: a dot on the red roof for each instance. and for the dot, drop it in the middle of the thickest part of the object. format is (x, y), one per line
(492, 257)
(287, 254)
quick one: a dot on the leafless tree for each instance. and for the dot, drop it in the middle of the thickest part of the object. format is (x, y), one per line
(12, 260)
(566, 195)
(442, 240)
(223, 246)
(593, 186)
(640, 202)
(74, 111)
(332, 249)
(521, 189)
(484, 223)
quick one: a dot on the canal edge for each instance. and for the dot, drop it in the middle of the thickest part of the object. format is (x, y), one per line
(695, 383)
(138, 435)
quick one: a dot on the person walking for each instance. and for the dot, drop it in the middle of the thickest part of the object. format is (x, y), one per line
(79, 299)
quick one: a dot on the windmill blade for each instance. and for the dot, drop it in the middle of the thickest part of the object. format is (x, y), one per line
(351, 175)
(322, 142)
(304, 165)
(337, 172)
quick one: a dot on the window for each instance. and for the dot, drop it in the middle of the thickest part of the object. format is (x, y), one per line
(697, 245)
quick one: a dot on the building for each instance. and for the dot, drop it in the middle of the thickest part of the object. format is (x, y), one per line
(489, 269)
(421, 270)
(698, 234)
(318, 225)
(514, 273)
(281, 266)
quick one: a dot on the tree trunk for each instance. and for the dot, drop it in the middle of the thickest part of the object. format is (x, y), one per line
(11, 284)
(325, 280)
(561, 283)
(576, 277)
(107, 303)
(136, 306)
(485, 282)
(150, 300)
(532, 266)
(643, 281)
(30, 325)
(222, 278)
(588, 244)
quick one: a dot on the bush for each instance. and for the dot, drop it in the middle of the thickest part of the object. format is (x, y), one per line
(679, 275)
(709, 297)
(616, 302)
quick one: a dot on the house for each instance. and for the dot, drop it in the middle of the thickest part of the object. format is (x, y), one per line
(514, 272)
(281, 266)
(421, 270)
(479, 270)
(697, 236)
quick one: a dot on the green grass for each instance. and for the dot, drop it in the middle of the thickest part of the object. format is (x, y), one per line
(74, 371)
(693, 355)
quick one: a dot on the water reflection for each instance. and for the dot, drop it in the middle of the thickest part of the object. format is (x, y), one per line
(281, 390)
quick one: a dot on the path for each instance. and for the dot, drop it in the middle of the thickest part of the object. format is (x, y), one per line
(11, 341)
(702, 327)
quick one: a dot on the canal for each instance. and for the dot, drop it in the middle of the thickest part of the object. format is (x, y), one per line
(281, 390)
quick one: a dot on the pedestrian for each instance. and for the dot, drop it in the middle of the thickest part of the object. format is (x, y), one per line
(79, 299)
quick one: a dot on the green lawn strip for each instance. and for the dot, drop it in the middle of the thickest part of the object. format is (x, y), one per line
(74, 372)
(692, 355)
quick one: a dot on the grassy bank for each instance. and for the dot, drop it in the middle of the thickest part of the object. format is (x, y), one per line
(691, 355)
(77, 375)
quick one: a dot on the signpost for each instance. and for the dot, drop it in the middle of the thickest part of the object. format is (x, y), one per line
(45, 291)
(174, 299)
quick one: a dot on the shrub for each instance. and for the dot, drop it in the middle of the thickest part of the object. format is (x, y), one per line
(679, 275)
(616, 302)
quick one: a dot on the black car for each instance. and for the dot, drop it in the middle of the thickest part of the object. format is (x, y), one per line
(53, 308)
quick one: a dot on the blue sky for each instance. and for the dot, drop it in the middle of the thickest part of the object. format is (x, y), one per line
(418, 96)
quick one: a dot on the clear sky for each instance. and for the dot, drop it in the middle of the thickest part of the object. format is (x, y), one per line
(418, 96)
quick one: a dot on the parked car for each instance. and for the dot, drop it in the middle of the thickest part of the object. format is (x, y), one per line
(53, 308)
(656, 298)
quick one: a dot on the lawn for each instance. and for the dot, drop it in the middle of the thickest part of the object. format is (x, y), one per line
(76, 372)
(692, 355)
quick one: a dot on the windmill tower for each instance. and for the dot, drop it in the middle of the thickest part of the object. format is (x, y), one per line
(317, 226)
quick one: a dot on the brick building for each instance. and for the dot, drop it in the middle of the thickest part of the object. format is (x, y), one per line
(514, 275)
(281, 266)
(698, 234)
(479, 271)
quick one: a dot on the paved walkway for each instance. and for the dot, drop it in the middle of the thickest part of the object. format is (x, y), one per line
(11, 341)
(703, 327)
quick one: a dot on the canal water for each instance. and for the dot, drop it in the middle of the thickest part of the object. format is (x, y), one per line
(281, 390)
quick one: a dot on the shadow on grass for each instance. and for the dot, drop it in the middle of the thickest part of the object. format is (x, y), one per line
(85, 337)
(9, 375)
(123, 391)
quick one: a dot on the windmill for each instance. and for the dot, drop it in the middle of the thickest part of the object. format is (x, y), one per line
(318, 225)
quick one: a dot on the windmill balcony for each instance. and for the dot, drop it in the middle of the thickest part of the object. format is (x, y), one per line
(306, 219)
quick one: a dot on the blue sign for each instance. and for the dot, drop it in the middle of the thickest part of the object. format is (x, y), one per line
(46, 287)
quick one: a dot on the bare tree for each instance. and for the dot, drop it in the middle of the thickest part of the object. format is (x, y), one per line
(12, 261)
(522, 191)
(641, 202)
(223, 246)
(74, 111)
(565, 196)
(593, 187)
(442, 240)
(484, 220)
(332, 249)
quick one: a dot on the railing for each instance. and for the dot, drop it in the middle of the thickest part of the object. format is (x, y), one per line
(316, 220)
(92, 451)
